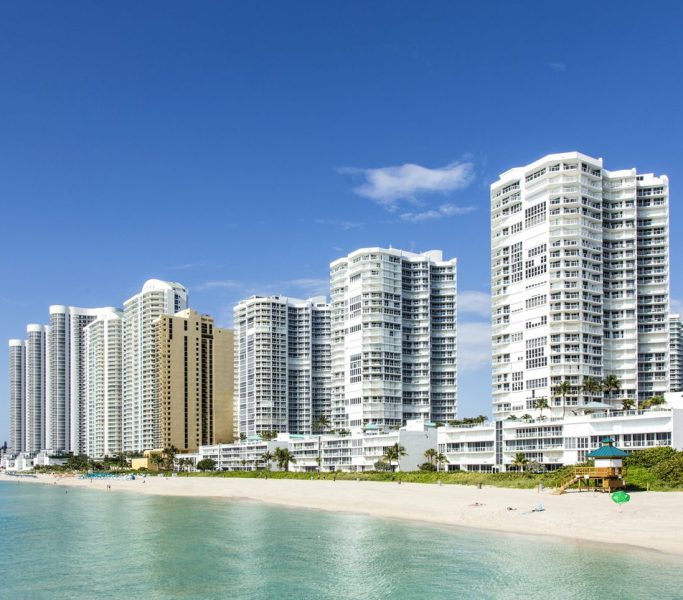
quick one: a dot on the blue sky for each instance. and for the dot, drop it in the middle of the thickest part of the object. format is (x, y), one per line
(240, 147)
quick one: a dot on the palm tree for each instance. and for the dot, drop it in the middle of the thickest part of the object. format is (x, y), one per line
(592, 386)
(430, 455)
(654, 401)
(283, 457)
(440, 459)
(561, 391)
(611, 384)
(267, 457)
(169, 456)
(394, 453)
(542, 404)
(321, 425)
(627, 404)
(157, 460)
(526, 417)
(520, 461)
(268, 435)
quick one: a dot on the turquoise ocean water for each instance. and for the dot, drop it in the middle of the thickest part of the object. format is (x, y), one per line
(88, 544)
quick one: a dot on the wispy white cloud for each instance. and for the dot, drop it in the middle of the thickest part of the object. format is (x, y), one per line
(388, 185)
(342, 224)
(308, 286)
(474, 303)
(445, 210)
(217, 284)
(305, 286)
(558, 66)
(194, 265)
(474, 346)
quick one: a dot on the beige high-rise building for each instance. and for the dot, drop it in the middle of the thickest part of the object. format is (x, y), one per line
(195, 381)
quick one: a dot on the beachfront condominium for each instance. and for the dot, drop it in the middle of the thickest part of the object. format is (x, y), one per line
(17, 395)
(393, 338)
(282, 364)
(37, 376)
(580, 284)
(675, 353)
(195, 381)
(140, 407)
(103, 351)
(66, 414)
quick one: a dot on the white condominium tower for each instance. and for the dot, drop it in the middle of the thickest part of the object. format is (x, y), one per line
(103, 349)
(676, 353)
(140, 406)
(17, 395)
(282, 364)
(580, 283)
(393, 338)
(66, 403)
(37, 375)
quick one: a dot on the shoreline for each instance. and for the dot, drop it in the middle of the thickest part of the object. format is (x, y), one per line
(651, 520)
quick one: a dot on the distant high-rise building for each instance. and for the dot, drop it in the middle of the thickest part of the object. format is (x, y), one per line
(140, 400)
(195, 381)
(580, 283)
(394, 338)
(17, 395)
(103, 374)
(282, 364)
(66, 403)
(676, 353)
(37, 374)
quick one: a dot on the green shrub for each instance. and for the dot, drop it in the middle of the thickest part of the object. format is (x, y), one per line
(427, 467)
(649, 457)
(670, 470)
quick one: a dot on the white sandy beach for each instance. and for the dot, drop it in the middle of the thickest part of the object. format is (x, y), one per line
(652, 520)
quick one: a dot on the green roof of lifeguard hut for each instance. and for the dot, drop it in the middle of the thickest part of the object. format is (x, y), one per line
(607, 450)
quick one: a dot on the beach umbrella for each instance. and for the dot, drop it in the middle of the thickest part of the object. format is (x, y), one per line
(620, 497)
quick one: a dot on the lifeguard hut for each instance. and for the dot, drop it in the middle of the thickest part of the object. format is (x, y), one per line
(608, 473)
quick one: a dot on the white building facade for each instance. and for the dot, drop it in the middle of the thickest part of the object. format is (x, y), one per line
(282, 364)
(394, 338)
(553, 443)
(17, 395)
(66, 398)
(37, 376)
(675, 353)
(356, 452)
(140, 410)
(103, 342)
(580, 283)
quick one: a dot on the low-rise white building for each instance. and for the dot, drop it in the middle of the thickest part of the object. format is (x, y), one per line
(243, 456)
(488, 447)
(22, 461)
(357, 452)
(553, 443)
(361, 451)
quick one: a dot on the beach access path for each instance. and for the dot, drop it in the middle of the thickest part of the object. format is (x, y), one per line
(652, 520)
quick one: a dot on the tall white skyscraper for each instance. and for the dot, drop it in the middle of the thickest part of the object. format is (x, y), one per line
(580, 283)
(676, 353)
(282, 364)
(37, 374)
(103, 348)
(394, 332)
(140, 406)
(17, 395)
(66, 402)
